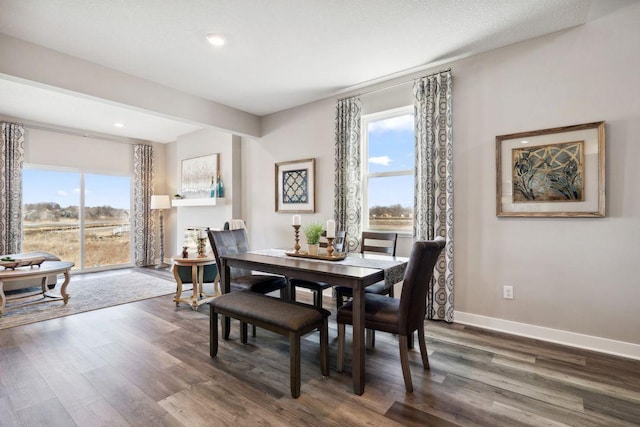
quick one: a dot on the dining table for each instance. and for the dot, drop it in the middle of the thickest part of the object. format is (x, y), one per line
(356, 271)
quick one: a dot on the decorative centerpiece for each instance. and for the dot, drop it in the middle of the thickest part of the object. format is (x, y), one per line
(313, 232)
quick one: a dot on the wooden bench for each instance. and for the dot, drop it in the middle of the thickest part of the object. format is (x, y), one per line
(284, 318)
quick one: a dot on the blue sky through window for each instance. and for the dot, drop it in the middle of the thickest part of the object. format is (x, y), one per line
(40, 185)
(391, 148)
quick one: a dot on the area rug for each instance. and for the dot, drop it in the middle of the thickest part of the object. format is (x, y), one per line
(89, 293)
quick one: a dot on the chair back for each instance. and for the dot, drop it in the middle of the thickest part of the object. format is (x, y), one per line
(417, 277)
(379, 242)
(338, 243)
(229, 242)
(234, 224)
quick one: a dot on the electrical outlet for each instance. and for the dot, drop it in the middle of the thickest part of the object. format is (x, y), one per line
(507, 292)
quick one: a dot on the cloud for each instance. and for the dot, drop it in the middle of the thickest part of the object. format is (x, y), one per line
(76, 191)
(380, 160)
(396, 123)
(62, 193)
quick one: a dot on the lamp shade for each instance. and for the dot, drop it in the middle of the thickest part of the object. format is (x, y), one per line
(160, 202)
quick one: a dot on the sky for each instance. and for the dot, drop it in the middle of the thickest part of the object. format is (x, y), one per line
(41, 185)
(391, 148)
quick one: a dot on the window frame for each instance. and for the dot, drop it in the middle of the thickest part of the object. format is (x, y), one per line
(82, 213)
(364, 170)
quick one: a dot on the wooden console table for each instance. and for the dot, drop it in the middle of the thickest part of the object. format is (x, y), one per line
(197, 265)
(45, 269)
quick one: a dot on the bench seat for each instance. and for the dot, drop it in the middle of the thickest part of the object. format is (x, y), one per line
(285, 318)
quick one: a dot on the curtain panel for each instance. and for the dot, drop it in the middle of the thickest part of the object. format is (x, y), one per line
(11, 163)
(143, 223)
(347, 193)
(433, 199)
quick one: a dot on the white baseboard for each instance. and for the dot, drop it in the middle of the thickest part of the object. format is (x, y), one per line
(588, 342)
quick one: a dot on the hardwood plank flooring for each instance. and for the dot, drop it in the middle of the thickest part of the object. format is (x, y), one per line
(147, 363)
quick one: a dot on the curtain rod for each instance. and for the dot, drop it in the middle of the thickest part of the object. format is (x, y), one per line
(396, 84)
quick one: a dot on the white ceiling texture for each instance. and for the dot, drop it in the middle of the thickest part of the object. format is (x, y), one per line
(279, 53)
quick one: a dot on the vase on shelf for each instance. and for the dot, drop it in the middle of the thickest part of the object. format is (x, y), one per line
(213, 188)
(219, 186)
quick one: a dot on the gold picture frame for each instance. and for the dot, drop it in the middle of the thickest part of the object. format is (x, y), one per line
(295, 183)
(558, 172)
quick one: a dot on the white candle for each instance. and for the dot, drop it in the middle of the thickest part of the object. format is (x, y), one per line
(331, 228)
(296, 220)
(203, 234)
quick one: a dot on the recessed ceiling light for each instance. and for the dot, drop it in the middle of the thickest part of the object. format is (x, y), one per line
(524, 142)
(118, 125)
(216, 39)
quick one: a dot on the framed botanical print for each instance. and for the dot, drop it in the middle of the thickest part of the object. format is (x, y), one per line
(557, 172)
(295, 186)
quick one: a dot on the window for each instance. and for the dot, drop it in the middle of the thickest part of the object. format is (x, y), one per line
(79, 217)
(388, 170)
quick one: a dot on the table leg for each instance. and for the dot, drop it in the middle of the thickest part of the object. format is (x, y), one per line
(194, 282)
(63, 288)
(2, 297)
(179, 284)
(225, 278)
(201, 281)
(358, 340)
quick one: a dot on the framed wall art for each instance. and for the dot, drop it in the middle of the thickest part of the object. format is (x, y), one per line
(197, 174)
(295, 186)
(557, 172)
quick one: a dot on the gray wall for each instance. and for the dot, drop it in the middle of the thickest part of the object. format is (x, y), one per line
(575, 280)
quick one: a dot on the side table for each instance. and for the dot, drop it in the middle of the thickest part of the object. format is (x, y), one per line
(197, 265)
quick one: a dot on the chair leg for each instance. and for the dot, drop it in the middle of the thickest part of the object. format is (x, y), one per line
(253, 331)
(404, 361)
(341, 332)
(324, 348)
(391, 291)
(227, 326)
(317, 299)
(243, 332)
(294, 364)
(410, 341)
(213, 333)
(369, 338)
(339, 299)
(423, 347)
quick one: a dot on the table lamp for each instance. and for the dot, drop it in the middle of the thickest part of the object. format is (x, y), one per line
(161, 202)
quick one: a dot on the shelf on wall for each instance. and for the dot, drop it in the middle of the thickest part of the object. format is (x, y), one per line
(209, 201)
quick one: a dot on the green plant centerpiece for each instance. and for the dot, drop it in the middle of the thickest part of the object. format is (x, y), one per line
(313, 232)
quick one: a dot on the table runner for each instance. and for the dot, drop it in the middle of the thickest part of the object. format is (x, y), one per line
(393, 268)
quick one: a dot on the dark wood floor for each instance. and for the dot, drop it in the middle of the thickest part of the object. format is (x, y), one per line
(147, 363)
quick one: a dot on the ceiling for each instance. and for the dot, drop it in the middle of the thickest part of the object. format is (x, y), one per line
(279, 53)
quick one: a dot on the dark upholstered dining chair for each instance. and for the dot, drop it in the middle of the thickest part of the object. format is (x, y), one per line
(318, 287)
(227, 242)
(372, 242)
(399, 316)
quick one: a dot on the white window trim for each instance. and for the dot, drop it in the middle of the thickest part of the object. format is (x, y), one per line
(364, 152)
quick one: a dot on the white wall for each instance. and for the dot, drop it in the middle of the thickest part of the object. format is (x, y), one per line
(574, 275)
(196, 144)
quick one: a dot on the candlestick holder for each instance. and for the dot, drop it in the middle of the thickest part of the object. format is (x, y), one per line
(202, 245)
(297, 246)
(330, 246)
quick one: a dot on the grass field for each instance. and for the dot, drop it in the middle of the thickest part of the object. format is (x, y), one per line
(106, 243)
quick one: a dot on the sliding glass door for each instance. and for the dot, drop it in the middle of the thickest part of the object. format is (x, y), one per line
(77, 216)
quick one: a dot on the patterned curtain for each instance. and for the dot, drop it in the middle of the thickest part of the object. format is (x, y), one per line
(433, 206)
(11, 162)
(143, 225)
(348, 198)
